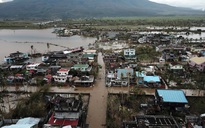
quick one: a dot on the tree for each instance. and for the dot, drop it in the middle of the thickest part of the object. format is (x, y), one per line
(48, 46)
(31, 49)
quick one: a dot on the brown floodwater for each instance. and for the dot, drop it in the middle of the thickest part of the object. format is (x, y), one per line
(22, 39)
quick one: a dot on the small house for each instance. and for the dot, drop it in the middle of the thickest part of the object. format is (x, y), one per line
(84, 81)
(152, 81)
(176, 67)
(62, 75)
(129, 54)
(82, 67)
(33, 66)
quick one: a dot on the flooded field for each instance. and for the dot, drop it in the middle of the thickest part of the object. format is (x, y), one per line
(21, 40)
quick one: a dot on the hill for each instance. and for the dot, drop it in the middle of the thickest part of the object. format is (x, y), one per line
(50, 9)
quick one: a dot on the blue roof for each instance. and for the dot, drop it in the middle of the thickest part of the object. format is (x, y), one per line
(151, 79)
(174, 96)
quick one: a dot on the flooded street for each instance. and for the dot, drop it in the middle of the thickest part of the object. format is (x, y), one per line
(96, 117)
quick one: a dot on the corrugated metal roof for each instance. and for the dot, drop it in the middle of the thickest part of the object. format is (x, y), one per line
(27, 122)
(174, 96)
(151, 79)
(19, 126)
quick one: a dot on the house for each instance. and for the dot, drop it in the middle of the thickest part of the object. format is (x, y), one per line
(125, 73)
(82, 67)
(176, 67)
(152, 81)
(16, 67)
(110, 77)
(140, 76)
(75, 57)
(110, 58)
(16, 57)
(171, 98)
(122, 77)
(17, 78)
(28, 122)
(90, 52)
(32, 66)
(151, 121)
(198, 63)
(63, 71)
(42, 69)
(88, 57)
(130, 54)
(67, 111)
(62, 75)
(84, 81)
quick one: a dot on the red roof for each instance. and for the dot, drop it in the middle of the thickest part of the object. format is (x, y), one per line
(63, 70)
(62, 122)
(49, 76)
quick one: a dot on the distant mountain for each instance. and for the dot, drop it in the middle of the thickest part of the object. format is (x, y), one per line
(50, 9)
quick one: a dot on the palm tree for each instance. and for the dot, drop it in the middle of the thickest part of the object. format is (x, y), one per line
(31, 49)
(48, 46)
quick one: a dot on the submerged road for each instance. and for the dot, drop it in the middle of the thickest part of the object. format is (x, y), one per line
(96, 117)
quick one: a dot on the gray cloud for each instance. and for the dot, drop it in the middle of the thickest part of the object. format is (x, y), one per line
(195, 4)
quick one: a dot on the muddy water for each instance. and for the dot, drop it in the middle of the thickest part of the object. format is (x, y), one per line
(21, 40)
(96, 117)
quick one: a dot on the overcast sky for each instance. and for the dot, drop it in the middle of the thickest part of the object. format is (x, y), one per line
(1, 1)
(195, 4)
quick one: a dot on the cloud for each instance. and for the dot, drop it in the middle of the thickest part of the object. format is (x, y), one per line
(195, 4)
(3, 1)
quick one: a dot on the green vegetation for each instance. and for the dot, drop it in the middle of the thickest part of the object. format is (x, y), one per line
(147, 53)
(112, 23)
(122, 107)
(33, 105)
(197, 105)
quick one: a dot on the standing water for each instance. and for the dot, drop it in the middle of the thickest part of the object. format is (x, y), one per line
(22, 40)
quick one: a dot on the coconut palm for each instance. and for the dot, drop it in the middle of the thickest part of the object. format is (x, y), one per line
(31, 49)
(48, 46)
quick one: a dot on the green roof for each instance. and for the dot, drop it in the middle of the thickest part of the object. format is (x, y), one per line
(80, 65)
(88, 55)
